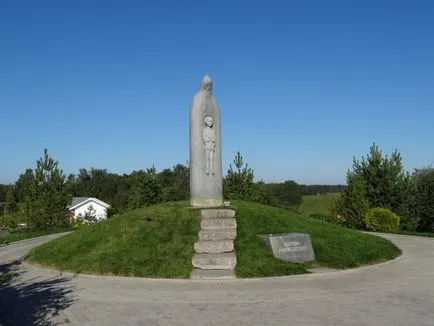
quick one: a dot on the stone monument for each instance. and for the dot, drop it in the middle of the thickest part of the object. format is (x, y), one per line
(292, 247)
(206, 182)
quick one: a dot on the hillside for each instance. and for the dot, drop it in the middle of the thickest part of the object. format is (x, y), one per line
(334, 246)
(158, 241)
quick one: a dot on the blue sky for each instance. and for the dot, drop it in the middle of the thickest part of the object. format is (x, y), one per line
(303, 86)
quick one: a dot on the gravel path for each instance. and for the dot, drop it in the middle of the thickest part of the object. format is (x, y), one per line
(399, 292)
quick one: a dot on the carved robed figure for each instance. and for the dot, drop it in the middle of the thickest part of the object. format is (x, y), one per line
(206, 183)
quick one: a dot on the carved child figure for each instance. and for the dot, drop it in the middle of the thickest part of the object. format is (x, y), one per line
(209, 138)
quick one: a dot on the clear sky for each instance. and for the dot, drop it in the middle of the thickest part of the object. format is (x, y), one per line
(303, 86)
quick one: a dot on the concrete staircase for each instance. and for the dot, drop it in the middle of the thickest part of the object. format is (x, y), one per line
(215, 256)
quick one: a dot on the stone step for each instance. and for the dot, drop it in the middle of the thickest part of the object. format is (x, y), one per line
(215, 261)
(221, 223)
(210, 274)
(214, 247)
(217, 213)
(217, 234)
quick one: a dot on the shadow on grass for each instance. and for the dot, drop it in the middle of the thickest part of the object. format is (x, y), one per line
(31, 302)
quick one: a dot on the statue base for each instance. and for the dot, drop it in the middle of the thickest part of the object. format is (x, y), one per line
(206, 202)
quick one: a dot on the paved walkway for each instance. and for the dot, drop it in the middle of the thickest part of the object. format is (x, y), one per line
(400, 292)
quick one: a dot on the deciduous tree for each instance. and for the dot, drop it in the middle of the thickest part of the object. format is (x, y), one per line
(145, 189)
(11, 205)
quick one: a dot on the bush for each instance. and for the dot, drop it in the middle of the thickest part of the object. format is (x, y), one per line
(12, 225)
(262, 194)
(80, 224)
(288, 193)
(112, 211)
(381, 220)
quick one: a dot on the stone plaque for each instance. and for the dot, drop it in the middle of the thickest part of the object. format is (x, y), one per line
(292, 247)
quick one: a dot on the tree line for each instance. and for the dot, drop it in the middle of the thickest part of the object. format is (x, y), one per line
(380, 181)
(42, 194)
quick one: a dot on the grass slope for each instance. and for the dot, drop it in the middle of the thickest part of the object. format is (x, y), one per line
(334, 246)
(150, 242)
(158, 242)
(318, 204)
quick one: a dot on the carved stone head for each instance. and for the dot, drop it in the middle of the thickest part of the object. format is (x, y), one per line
(207, 84)
(208, 120)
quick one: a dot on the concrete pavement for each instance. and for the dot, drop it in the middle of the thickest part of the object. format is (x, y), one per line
(399, 292)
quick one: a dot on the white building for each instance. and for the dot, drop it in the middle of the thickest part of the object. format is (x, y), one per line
(81, 205)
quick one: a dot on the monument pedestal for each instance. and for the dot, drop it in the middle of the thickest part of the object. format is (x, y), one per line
(206, 202)
(215, 256)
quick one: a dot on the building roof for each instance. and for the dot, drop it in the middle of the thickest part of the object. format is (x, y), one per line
(78, 201)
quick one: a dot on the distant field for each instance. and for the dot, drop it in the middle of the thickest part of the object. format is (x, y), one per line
(318, 204)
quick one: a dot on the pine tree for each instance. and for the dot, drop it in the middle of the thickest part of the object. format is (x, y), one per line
(352, 205)
(374, 181)
(384, 178)
(239, 183)
(47, 200)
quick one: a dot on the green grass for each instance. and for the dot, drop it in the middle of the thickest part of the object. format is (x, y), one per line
(150, 242)
(334, 246)
(158, 242)
(318, 204)
(22, 235)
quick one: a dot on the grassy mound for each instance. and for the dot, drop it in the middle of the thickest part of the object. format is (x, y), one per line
(158, 242)
(150, 242)
(334, 246)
